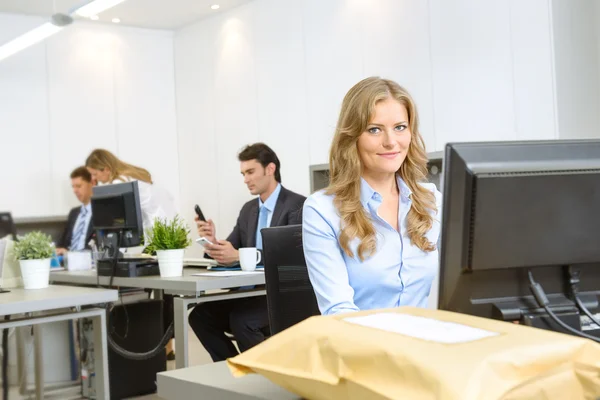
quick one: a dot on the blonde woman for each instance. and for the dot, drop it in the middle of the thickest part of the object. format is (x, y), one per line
(106, 168)
(370, 237)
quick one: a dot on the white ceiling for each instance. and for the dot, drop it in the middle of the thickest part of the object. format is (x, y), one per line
(157, 14)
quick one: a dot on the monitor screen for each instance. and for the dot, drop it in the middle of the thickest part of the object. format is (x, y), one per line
(109, 212)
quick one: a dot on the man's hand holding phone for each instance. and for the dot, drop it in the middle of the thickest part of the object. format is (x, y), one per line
(223, 252)
(206, 229)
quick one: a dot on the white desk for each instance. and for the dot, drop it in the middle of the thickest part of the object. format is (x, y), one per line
(21, 301)
(192, 288)
(214, 381)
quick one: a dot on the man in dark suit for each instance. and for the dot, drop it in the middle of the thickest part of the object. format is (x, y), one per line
(246, 318)
(78, 231)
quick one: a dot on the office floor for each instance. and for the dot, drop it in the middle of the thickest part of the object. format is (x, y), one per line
(197, 354)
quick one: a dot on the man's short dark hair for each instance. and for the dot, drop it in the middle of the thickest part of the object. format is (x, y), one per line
(83, 173)
(263, 154)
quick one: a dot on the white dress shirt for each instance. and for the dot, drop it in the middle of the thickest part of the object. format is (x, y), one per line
(397, 274)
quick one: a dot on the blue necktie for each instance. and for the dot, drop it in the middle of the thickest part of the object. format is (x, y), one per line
(79, 231)
(262, 223)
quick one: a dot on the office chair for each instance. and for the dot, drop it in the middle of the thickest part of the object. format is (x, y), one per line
(290, 296)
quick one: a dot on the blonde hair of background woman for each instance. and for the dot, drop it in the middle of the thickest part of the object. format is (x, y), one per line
(100, 159)
(345, 168)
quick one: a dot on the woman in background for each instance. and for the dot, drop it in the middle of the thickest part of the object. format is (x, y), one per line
(106, 168)
(370, 237)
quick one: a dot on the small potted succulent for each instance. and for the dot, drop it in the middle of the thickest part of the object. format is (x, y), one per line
(34, 251)
(168, 239)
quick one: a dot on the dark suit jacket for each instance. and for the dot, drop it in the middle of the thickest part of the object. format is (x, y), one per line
(65, 239)
(288, 211)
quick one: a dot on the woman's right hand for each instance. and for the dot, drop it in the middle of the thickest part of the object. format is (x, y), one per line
(206, 229)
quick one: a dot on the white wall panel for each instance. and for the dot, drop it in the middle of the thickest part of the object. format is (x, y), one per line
(577, 68)
(81, 101)
(533, 71)
(472, 71)
(145, 105)
(199, 177)
(281, 94)
(25, 166)
(236, 112)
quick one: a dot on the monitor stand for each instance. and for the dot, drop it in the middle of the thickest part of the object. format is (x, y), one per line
(542, 320)
(526, 311)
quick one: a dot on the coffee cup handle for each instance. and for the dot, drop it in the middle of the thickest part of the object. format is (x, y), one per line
(258, 256)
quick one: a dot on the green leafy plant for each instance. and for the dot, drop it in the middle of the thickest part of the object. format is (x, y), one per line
(33, 246)
(167, 235)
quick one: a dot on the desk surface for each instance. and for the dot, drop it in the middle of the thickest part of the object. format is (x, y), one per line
(184, 284)
(214, 381)
(19, 300)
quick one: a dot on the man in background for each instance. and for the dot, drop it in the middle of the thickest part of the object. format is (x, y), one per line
(246, 318)
(78, 231)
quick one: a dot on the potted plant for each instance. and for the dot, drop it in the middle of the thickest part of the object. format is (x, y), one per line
(169, 240)
(34, 251)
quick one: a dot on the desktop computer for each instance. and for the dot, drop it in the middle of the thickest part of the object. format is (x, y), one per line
(520, 224)
(117, 220)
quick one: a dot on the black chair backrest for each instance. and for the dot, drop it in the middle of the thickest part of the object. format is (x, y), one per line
(7, 226)
(290, 296)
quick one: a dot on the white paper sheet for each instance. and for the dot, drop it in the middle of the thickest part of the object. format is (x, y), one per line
(228, 273)
(422, 328)
(79, 260)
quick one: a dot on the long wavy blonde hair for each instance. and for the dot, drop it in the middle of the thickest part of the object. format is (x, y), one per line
(345, 168)
(100, 159)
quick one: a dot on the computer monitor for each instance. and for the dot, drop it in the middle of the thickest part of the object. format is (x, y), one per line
(116, 209)
(511, 208)
(7, 226)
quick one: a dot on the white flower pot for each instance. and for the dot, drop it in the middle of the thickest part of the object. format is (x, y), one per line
(170, 262)
(35, 273)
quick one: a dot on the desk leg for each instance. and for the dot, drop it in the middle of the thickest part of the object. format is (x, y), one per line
(181, 332)
(39, 361)
(101, 356)
(22, 359)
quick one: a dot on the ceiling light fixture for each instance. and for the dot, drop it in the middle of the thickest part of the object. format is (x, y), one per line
(57, 22)
(215, 7)
(36, 35)
(95, 7)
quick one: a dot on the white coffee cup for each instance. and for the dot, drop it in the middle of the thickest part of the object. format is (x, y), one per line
(249, 257)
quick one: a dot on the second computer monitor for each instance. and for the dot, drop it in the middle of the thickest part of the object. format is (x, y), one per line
(116, 208)
(513, 206)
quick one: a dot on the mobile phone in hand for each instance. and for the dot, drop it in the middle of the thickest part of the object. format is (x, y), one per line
(199, 213)
(202, 241)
